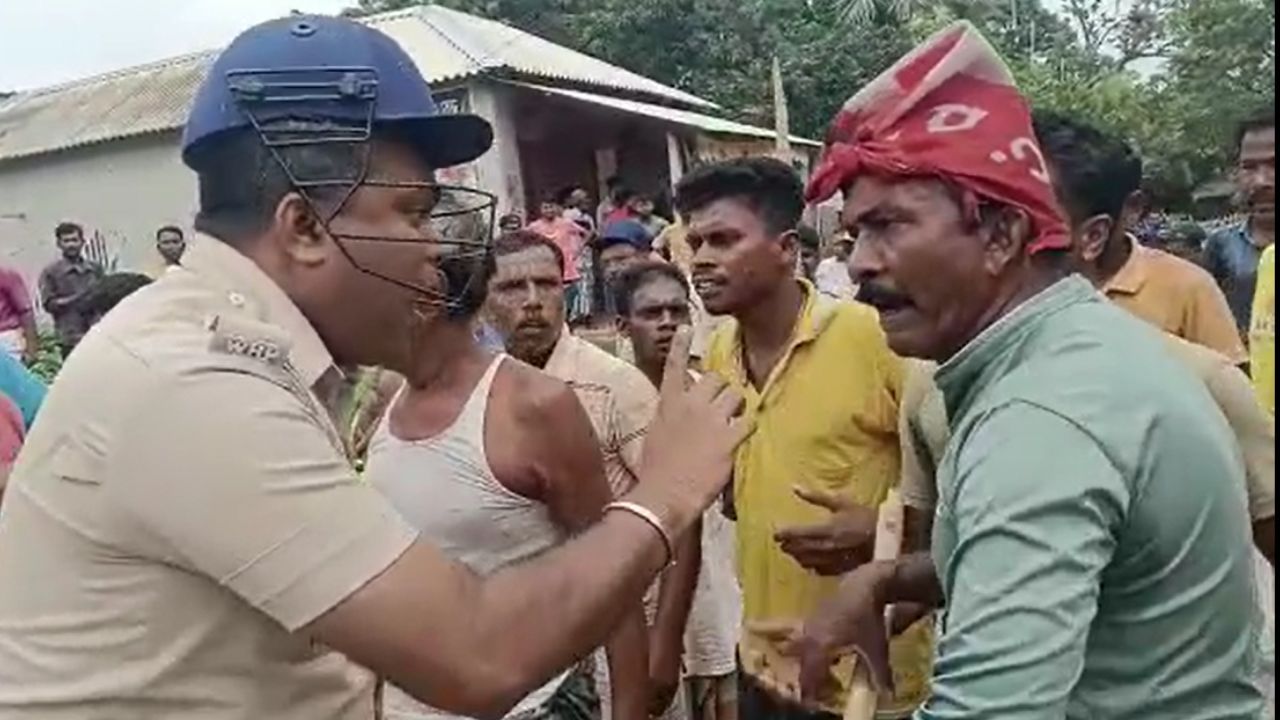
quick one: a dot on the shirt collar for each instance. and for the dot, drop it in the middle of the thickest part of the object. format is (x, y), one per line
(1133, 274)
(992, 353)
(81, 265)
(247, 286)
(561, 361)
(816, 315)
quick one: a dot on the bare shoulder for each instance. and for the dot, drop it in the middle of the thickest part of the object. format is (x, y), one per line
(531, 396)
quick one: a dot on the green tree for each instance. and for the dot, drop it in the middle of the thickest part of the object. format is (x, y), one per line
(1223, 70)
(1214, 59)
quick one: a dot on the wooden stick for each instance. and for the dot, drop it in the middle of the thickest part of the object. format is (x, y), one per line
(863, 698)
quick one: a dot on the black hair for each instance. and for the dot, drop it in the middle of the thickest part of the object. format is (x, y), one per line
(639, 275)
(1097, 173)
(109, 290)
(809, 237)
(770, 187)
(521, 240)
(241, 182)
(1261, 119)
(67, 227)
(170, 229)
(1187, 235)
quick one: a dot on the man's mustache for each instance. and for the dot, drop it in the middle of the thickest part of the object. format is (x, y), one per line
(878, 296)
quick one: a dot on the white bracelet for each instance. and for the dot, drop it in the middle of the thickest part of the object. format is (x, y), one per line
(651, 518)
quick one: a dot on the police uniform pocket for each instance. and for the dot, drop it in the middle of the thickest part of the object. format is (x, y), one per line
(75, 462)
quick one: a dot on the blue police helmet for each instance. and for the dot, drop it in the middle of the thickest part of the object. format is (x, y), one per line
(327, 69)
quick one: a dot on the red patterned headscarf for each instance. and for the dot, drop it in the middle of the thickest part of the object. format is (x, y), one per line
(949, 109)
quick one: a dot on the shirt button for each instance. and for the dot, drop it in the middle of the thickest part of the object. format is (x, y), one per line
(236, 299)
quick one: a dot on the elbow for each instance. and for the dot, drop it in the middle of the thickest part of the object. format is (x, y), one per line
(491, 689)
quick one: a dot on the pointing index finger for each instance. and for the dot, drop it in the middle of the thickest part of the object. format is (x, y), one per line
(676, 374)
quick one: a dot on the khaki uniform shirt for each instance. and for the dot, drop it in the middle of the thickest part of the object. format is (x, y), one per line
(181, 509)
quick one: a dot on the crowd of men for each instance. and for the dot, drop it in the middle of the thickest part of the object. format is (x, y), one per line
(681, 523)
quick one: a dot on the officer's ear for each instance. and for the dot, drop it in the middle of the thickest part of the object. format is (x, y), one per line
(302, 233)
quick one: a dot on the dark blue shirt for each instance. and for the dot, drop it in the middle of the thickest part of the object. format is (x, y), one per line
(1231, 257)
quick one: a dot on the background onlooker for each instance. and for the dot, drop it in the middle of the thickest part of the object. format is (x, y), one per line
(643, 211)
(1232, 254)
(171, 243)
(810, 252)
(64, 282)
(832, 275)
(575, 251)
(511, 222)
(1099, 182)
(577, 207)
(18, 335)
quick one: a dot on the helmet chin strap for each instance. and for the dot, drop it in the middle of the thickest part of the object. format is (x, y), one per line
(348, 88)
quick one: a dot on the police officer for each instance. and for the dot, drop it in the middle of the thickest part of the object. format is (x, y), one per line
(182, 537)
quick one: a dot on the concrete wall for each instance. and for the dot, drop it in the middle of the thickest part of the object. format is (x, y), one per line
(121, 191)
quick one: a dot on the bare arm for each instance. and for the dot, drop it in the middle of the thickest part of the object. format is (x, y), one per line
(1255, 431)
(476, 647)
(666, 639)
(20, 299)
(31, 337)
(571, 473)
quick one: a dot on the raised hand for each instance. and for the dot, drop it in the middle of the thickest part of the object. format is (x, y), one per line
(689, 450)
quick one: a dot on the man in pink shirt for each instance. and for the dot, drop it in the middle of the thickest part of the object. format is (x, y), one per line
(571, 238)
(17, 317)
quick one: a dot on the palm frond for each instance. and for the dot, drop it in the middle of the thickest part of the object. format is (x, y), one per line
(861, 12)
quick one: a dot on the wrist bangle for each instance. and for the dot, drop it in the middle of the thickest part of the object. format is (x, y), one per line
(651, 519)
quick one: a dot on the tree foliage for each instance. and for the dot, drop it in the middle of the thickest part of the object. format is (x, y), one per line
(1173, 76)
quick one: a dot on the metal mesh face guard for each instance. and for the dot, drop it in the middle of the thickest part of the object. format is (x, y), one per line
(335, 106)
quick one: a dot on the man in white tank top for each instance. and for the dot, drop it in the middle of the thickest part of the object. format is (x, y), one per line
(653, 301)
(526, 305)
(496, 462)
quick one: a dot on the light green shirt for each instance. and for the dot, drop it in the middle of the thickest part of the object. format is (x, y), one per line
(1090, 571)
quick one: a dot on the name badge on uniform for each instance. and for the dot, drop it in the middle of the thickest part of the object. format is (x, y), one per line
(251, 339)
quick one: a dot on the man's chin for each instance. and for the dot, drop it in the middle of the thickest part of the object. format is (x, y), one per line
(717, 305)
(908, 339)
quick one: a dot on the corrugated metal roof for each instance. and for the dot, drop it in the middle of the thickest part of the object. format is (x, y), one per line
(137, 101)
(490, 45)
(687, 118)
(446, 44)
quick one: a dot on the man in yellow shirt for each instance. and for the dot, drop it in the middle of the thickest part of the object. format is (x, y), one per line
(1263, 332)
(822, 389)
(1173, 294)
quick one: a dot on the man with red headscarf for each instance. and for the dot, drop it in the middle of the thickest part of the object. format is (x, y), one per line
(1085, 567)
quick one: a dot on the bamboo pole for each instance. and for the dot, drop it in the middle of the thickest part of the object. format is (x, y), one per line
(863, 698)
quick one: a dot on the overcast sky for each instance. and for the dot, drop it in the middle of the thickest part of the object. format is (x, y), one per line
(43, 42)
